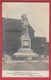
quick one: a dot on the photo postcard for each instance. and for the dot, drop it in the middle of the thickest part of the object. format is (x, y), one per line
(25, 39)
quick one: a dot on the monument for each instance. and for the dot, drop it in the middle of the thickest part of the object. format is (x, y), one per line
(25, 49)
(25, 39)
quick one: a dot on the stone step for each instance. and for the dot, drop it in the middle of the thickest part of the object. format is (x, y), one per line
(25, 50)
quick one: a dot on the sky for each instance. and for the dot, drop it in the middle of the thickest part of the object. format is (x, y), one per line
(37, 14)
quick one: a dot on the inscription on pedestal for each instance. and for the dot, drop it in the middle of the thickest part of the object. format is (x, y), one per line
(25, 44)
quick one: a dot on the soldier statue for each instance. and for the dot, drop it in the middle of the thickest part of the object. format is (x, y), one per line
(25, 24)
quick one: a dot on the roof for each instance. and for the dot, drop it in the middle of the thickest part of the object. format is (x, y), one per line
(14, 24)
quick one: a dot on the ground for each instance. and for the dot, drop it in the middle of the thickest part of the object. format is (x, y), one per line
(26, 65)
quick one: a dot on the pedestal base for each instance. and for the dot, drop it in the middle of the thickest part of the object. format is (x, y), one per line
(25, 52)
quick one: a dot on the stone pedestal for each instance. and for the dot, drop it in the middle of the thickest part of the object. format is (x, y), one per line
(25, 41)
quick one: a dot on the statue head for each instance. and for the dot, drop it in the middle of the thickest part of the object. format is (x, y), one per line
(24, 17)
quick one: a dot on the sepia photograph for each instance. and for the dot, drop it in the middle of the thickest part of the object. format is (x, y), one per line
(25, 39)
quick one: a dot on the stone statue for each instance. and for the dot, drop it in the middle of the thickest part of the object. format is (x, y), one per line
(24, 24)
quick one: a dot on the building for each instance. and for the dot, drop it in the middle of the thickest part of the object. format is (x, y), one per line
(12, 30)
